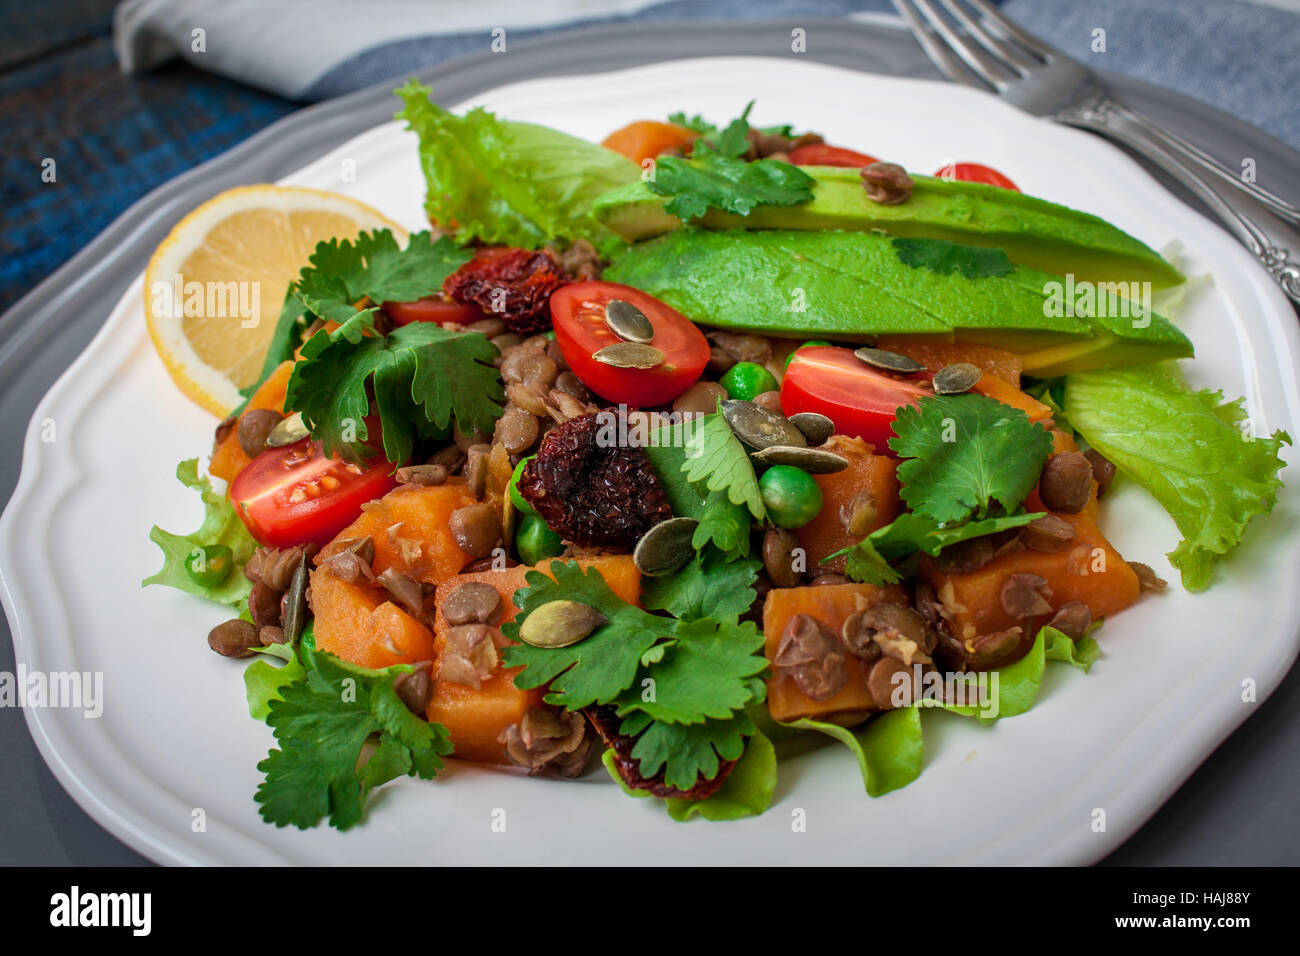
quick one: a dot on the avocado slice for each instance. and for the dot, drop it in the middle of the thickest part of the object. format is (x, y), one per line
(1033, 232)
(856, 285)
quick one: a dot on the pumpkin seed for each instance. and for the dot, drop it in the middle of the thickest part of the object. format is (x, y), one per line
(955, 379)
(665, 547)
(295, 603)
(290, 430)
(817, 428)
(559, 624)
(760, 427)
(628, 322)
(815, 461)
(629, 355)
(889, 361)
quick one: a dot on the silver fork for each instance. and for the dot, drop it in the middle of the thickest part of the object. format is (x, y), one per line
(973, 43)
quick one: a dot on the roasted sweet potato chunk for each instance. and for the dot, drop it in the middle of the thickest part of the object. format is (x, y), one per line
(830, 605)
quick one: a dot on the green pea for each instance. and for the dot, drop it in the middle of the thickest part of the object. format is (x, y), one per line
(746, 381)
(519, 501)
(792, 497)
(790, 358)
(534, 541)
(550, 335)
(208, 565)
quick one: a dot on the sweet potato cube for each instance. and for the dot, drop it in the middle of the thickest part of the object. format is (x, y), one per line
(411, 531)
(357, 623)
(867, 472)
(1090, 571)
(994, 387)
(228, 459)
(934, 353)
(830, 604)
(646, 139)
(475, 717)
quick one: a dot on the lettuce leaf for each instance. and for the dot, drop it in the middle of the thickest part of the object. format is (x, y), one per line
(1018, 684)
(220, 526)
(509, 183)
(889, 749)
(746, 792)
(1190, 449)
(263, 681)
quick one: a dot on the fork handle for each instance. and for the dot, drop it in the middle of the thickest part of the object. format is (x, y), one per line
(1198, 157)
(1104, 116)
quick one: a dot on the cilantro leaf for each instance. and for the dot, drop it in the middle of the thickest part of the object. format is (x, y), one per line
(422, 376)
(710, 586)
(598, 668)
(705, 673)
(734, 140)
(722, 523)
(220, 526)
(746, 792)
(373, 266)
(966, 452)
(713, 179)
(680, 686)
(686, 752)
(1192, 450)
(945, 258)
(716, 458)
(321, 722)
(869, 561)
(698, 124)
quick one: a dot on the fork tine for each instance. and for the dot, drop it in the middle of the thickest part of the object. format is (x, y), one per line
(1002, 49)
(938, 52)
(983, 65)
(1030, 42)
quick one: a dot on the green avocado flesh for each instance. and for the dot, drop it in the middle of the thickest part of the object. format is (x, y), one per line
(1033, 232)
(856, 285)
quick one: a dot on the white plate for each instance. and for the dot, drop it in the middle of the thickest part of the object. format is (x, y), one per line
(175, 737)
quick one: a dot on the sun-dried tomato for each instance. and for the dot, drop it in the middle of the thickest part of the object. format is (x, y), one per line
(515, 286)
(607, 722)
(595, 495)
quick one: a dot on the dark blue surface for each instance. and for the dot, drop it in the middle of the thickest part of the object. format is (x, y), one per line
(113, 138)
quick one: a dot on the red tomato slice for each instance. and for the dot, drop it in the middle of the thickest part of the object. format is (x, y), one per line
(975, 173)
(578, 314)
(293, 495)
(820, 154)
(860, 400)
(433, 308)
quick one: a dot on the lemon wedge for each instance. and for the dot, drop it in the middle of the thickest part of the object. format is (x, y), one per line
(214, 287)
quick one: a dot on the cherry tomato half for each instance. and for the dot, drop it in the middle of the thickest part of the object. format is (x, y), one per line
(860, 400)
(820, 154)
(293, 495)
(432, 308)
(578, 314)
(976, 173)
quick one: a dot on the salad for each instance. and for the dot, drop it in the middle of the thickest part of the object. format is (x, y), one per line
(659, 451)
